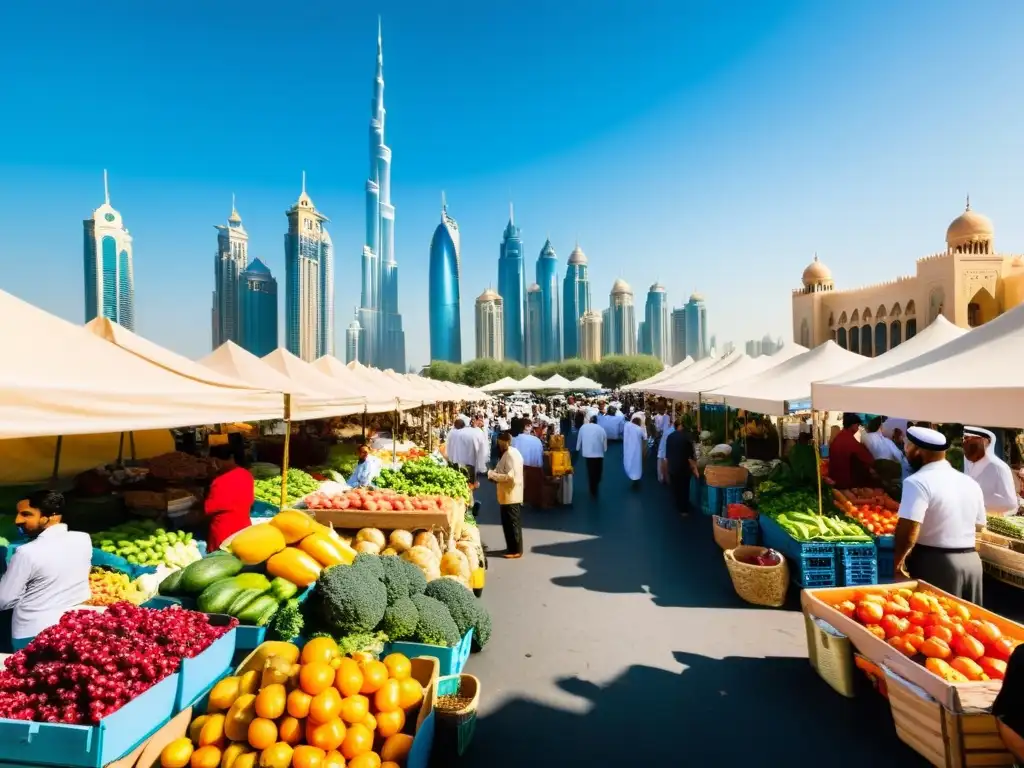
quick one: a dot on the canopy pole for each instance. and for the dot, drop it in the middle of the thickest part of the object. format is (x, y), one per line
(120, 450)
(56, 455)
(287, 442)
(778, 427)
(394, 436)
(698, 414)
(131, 444)
(364, 422)
(817, 468)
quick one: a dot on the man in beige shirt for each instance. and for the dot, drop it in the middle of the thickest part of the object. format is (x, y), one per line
(508, 475)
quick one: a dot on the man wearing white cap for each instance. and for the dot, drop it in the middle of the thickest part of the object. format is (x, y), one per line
(938, 518)
(992, 473)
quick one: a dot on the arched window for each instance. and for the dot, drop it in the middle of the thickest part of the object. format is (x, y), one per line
(855, 339)
(895, 331)
(865, 341)
(842, 319)
(841, 337)
(911, 328)
(855, 317)
(805, 334)
(881, 338)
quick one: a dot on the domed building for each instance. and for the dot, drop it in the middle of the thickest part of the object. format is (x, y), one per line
(969, 283)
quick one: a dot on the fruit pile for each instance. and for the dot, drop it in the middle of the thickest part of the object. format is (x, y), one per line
(871, 507)
(424, 477)
(374, 500)
(388, 458)
(299, 484)
(109, 587)
(934, 630)
(91, 664)
(317, 709)
(142, 542)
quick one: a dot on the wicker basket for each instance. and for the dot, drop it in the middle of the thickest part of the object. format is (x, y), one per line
(725, 477)
(758, 585)
(454, 728)
(728, 533)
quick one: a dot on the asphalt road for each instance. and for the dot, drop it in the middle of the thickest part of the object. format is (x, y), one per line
(618, 638)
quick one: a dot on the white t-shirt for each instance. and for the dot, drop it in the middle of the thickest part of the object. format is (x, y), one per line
(948, 504)
(591, 441)
(531, 448)
(996, 480)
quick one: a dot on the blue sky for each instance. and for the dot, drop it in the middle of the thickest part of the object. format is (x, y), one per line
(711, 146)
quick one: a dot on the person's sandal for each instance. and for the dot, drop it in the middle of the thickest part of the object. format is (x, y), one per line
(512, 555)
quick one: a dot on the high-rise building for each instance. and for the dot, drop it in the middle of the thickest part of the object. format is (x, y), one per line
(382, 343)
(621, 320)
(353, 334)
(696, 327)
(228, 265)
(533, 323)
(590, 336)
(678, 335)
(444, 297)
(309, 281)
(511, 287)
(490, 326)
(575, 301)
(727, 349)
(109, 274)
(713, 343)
(551, 320)
(656, 324)
(606, 329)
(257, 310)
(643, 344)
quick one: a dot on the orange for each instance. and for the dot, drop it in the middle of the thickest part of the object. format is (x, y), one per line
(358, 739)
(365, 760)
(205, 757)
(349, 677)
(370, 721)
(374, 675)
(212, 733)
(390, 723)
(410, 693)
(390, 764)
(388, 697)
(298, 703)
(262, 733)
(177, 754)
(306, 756)
(399, 666)
(290, 730)
(354, 709)
(270, 702)
(276, 756)
(326, 736)
(325, 706)
(321, 649)
(316, 677)
(396, 748)
(334, 760)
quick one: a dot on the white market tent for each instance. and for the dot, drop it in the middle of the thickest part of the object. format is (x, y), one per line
(700, 369)
(344, 400)
(741, 367)
(977, 378)
(662, 376)
(61, 379)
(557, 382)
(529, 384)
(773, 390)
(506, 384)
(585, 383)
(378, 389)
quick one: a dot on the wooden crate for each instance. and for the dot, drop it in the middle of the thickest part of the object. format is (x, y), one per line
(946, 739)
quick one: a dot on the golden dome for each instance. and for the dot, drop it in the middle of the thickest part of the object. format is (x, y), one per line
(621, 286)
(489, 295)
(533, 288)
(817, 272)
(969, 227)
(577, 256)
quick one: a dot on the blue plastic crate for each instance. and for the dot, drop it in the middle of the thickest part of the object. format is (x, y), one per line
(858, 564)
(886, 565)
(695, 493)
(85, 746)
(774, 535)
(814, 578)
(118, 563)
(705, 500)
(733, 495)
(261, 509)
(196, 675)
(451, 660)
(713, 503)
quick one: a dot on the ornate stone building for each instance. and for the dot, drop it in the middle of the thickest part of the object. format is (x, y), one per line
(970, 283)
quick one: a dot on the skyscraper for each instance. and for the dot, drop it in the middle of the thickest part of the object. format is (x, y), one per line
(606, 328)
(382, 343)
(656, 324)
(551, 321)
(309, 281)
(257, 310)
(511, 287)
(228, 265)
(352, 336)
(575, 301)
(444, 297)
(621, 331)
(490, 326)
(534, 325)
(590, 336)
(643, 344)
(678, 335)
(696, 327)
(109, 274)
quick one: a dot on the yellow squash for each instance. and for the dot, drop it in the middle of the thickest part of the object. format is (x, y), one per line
(257, 543)
(326, 550)
(295, 525)
(294, 565)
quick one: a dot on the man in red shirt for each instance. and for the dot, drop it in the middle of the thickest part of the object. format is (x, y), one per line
(850, 463)
(230, 498)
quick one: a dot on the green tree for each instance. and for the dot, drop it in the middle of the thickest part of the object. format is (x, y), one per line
(616, 371)
(574, 367)
(477, 373)
(443, 371)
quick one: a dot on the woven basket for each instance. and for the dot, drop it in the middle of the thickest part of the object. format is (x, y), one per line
(725, 477)
(758, 585)
(728, 533)
(454, 728)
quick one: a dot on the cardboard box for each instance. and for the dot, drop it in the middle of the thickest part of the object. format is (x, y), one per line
(956, 697)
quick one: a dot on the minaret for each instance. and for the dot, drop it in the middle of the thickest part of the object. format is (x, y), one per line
(229, 263)
(109, 271)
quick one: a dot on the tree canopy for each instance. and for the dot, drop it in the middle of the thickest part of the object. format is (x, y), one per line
(612, 372)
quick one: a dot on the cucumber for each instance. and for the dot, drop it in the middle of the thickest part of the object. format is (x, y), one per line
(255, 581)
(283, 589)
(197, 576)
(241, 600)
(258, 611)
(217, 597)
(171, 584)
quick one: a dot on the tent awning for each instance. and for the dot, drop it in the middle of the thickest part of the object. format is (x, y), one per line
(382, 393)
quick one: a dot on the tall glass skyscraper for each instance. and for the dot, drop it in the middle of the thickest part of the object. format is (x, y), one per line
(696, 330)
(109, 274)
(575, 301)
(444, 297)
(382, 343)
(353, 334)
(490, 326)
(678, 335)
(643, 343)
(257, 310)
(551, 320)
(309, 281)
(228, 265)
(656, 329)
(534, 325)
(511, 288)
(621, 331)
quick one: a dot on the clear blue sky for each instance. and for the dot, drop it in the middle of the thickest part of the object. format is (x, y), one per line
(711, 146)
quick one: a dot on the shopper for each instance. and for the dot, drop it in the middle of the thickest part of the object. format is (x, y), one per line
(634, 439)
(229, 499)
(592, 444)
(992, 473)
(367, 468)
(850, 463)
(508, 475)
(681, 458)
(667, 430)
(466, 448)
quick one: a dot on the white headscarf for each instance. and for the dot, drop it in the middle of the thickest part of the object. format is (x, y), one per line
(990, 449)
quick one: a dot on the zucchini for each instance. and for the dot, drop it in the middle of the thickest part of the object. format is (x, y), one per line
(283, 589)
(217, 597)
(255, 581)
(197, 576)
(258, 611)
(241, 600)
(171, 585)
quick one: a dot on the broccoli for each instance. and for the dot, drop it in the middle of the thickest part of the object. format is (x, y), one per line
(371, 563)
(396, 578)
(436, 625)
(417, 581)
(400, 619)
(369, 642)
(459, 601)
(352, 599)
(288, 621)
(481, 630)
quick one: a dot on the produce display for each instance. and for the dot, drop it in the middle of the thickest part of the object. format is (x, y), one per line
(934, 630)
(109, 587)
(871, 507)
(1011, 527)
(388, 457)
(180, 466)
(299, 484)
(424, 477)
(142, 542)
(314, 709)
(375, 500)
(795, 512)
(91, 664)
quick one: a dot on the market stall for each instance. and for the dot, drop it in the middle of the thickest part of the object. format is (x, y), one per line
(556, 383)
(585, 384)
(505, 384)
(638, 386)
(378, 388)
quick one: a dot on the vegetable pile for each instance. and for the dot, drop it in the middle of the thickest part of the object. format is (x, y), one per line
(109, 587)
(299, 484)
(934, 630)
(91, 664)
(141, 542)
(1011, 527)
(320, 709)
(870, 507)
(373, 500)
(424, 477)
(795, 512)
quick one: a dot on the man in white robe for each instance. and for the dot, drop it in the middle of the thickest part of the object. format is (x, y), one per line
(633, 439)
(992, 473)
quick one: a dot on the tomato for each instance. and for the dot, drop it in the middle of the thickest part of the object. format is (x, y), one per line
(869, 612)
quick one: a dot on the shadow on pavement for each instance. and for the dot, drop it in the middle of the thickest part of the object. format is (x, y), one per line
(716, 712)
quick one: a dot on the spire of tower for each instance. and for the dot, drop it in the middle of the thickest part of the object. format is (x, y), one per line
(444, 203)
(234, 208)
(511, 213)
(968, 199)
(303, 182)
(106, 188)
(380, 50)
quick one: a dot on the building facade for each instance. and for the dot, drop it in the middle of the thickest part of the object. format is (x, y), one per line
(109, 270)
(678, 320)
(382, 343)
(257, 309)
(551, 320)
(444, 290)
(228, 265)
(590, 336)
(656, 331)
(695, 328)
(621, 321)
(353, 335)
(575, 301)
(490, 326)
(309, 281)
(512, 288)
(534, 325)
(969, 283)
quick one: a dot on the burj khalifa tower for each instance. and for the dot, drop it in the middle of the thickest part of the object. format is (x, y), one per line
(382, 340)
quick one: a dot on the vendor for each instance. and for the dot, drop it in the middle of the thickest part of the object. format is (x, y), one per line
(992, 473)
(941, 507)
(50, 574)
(230, 498)
(850, 463)
(367, 468)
